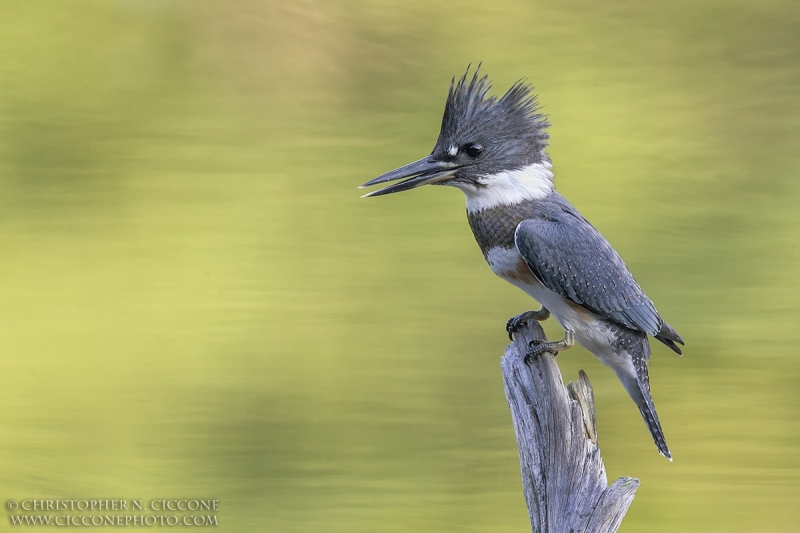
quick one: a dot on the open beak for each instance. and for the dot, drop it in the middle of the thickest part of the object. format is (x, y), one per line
(422, 172)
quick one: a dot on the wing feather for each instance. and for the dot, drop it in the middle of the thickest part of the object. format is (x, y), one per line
(570, 257)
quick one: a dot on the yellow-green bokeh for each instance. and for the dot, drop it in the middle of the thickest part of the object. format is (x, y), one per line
(196, 303)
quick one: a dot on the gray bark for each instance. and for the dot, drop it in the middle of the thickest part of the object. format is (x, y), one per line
(563, 476)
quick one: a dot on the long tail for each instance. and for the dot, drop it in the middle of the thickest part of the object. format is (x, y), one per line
(637, 383)
(651, 419)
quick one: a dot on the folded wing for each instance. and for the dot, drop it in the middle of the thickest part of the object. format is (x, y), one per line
(570, 257)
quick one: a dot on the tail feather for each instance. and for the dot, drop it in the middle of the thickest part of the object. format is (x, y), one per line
(637, 384)
(651, 419)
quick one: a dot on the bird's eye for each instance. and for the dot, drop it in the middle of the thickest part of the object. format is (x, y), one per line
(474, 149)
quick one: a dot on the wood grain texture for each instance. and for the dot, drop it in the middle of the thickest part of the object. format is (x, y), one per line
(563, 476)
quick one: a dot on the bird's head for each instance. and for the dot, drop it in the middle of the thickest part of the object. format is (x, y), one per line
(492, 149)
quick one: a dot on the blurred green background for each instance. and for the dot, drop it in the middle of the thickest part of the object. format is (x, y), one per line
(196, 303)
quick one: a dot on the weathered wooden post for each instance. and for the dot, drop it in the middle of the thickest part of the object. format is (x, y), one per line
(563, 476)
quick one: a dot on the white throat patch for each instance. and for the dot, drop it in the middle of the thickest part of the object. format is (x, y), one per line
(533, 182)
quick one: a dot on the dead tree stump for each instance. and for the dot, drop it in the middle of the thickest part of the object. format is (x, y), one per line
(563, 476)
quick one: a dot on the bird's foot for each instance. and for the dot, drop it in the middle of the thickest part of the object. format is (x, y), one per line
(538, 346)
(513, 324)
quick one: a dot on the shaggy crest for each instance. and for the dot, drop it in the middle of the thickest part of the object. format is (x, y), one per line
(470, 114)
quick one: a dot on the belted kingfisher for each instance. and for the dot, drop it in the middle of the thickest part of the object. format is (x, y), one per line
(531, 236)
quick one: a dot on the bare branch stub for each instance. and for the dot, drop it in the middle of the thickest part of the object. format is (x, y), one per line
(563, 476)
(583, 393)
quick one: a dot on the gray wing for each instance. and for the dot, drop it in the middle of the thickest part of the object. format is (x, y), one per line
(571, 258)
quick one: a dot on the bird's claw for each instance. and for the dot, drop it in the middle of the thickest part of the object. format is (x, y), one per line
(515, 323)
(537, 347)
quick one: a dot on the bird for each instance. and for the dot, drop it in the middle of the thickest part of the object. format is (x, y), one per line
(494, 150)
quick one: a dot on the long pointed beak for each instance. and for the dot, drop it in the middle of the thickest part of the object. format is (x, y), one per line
(422, 172)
